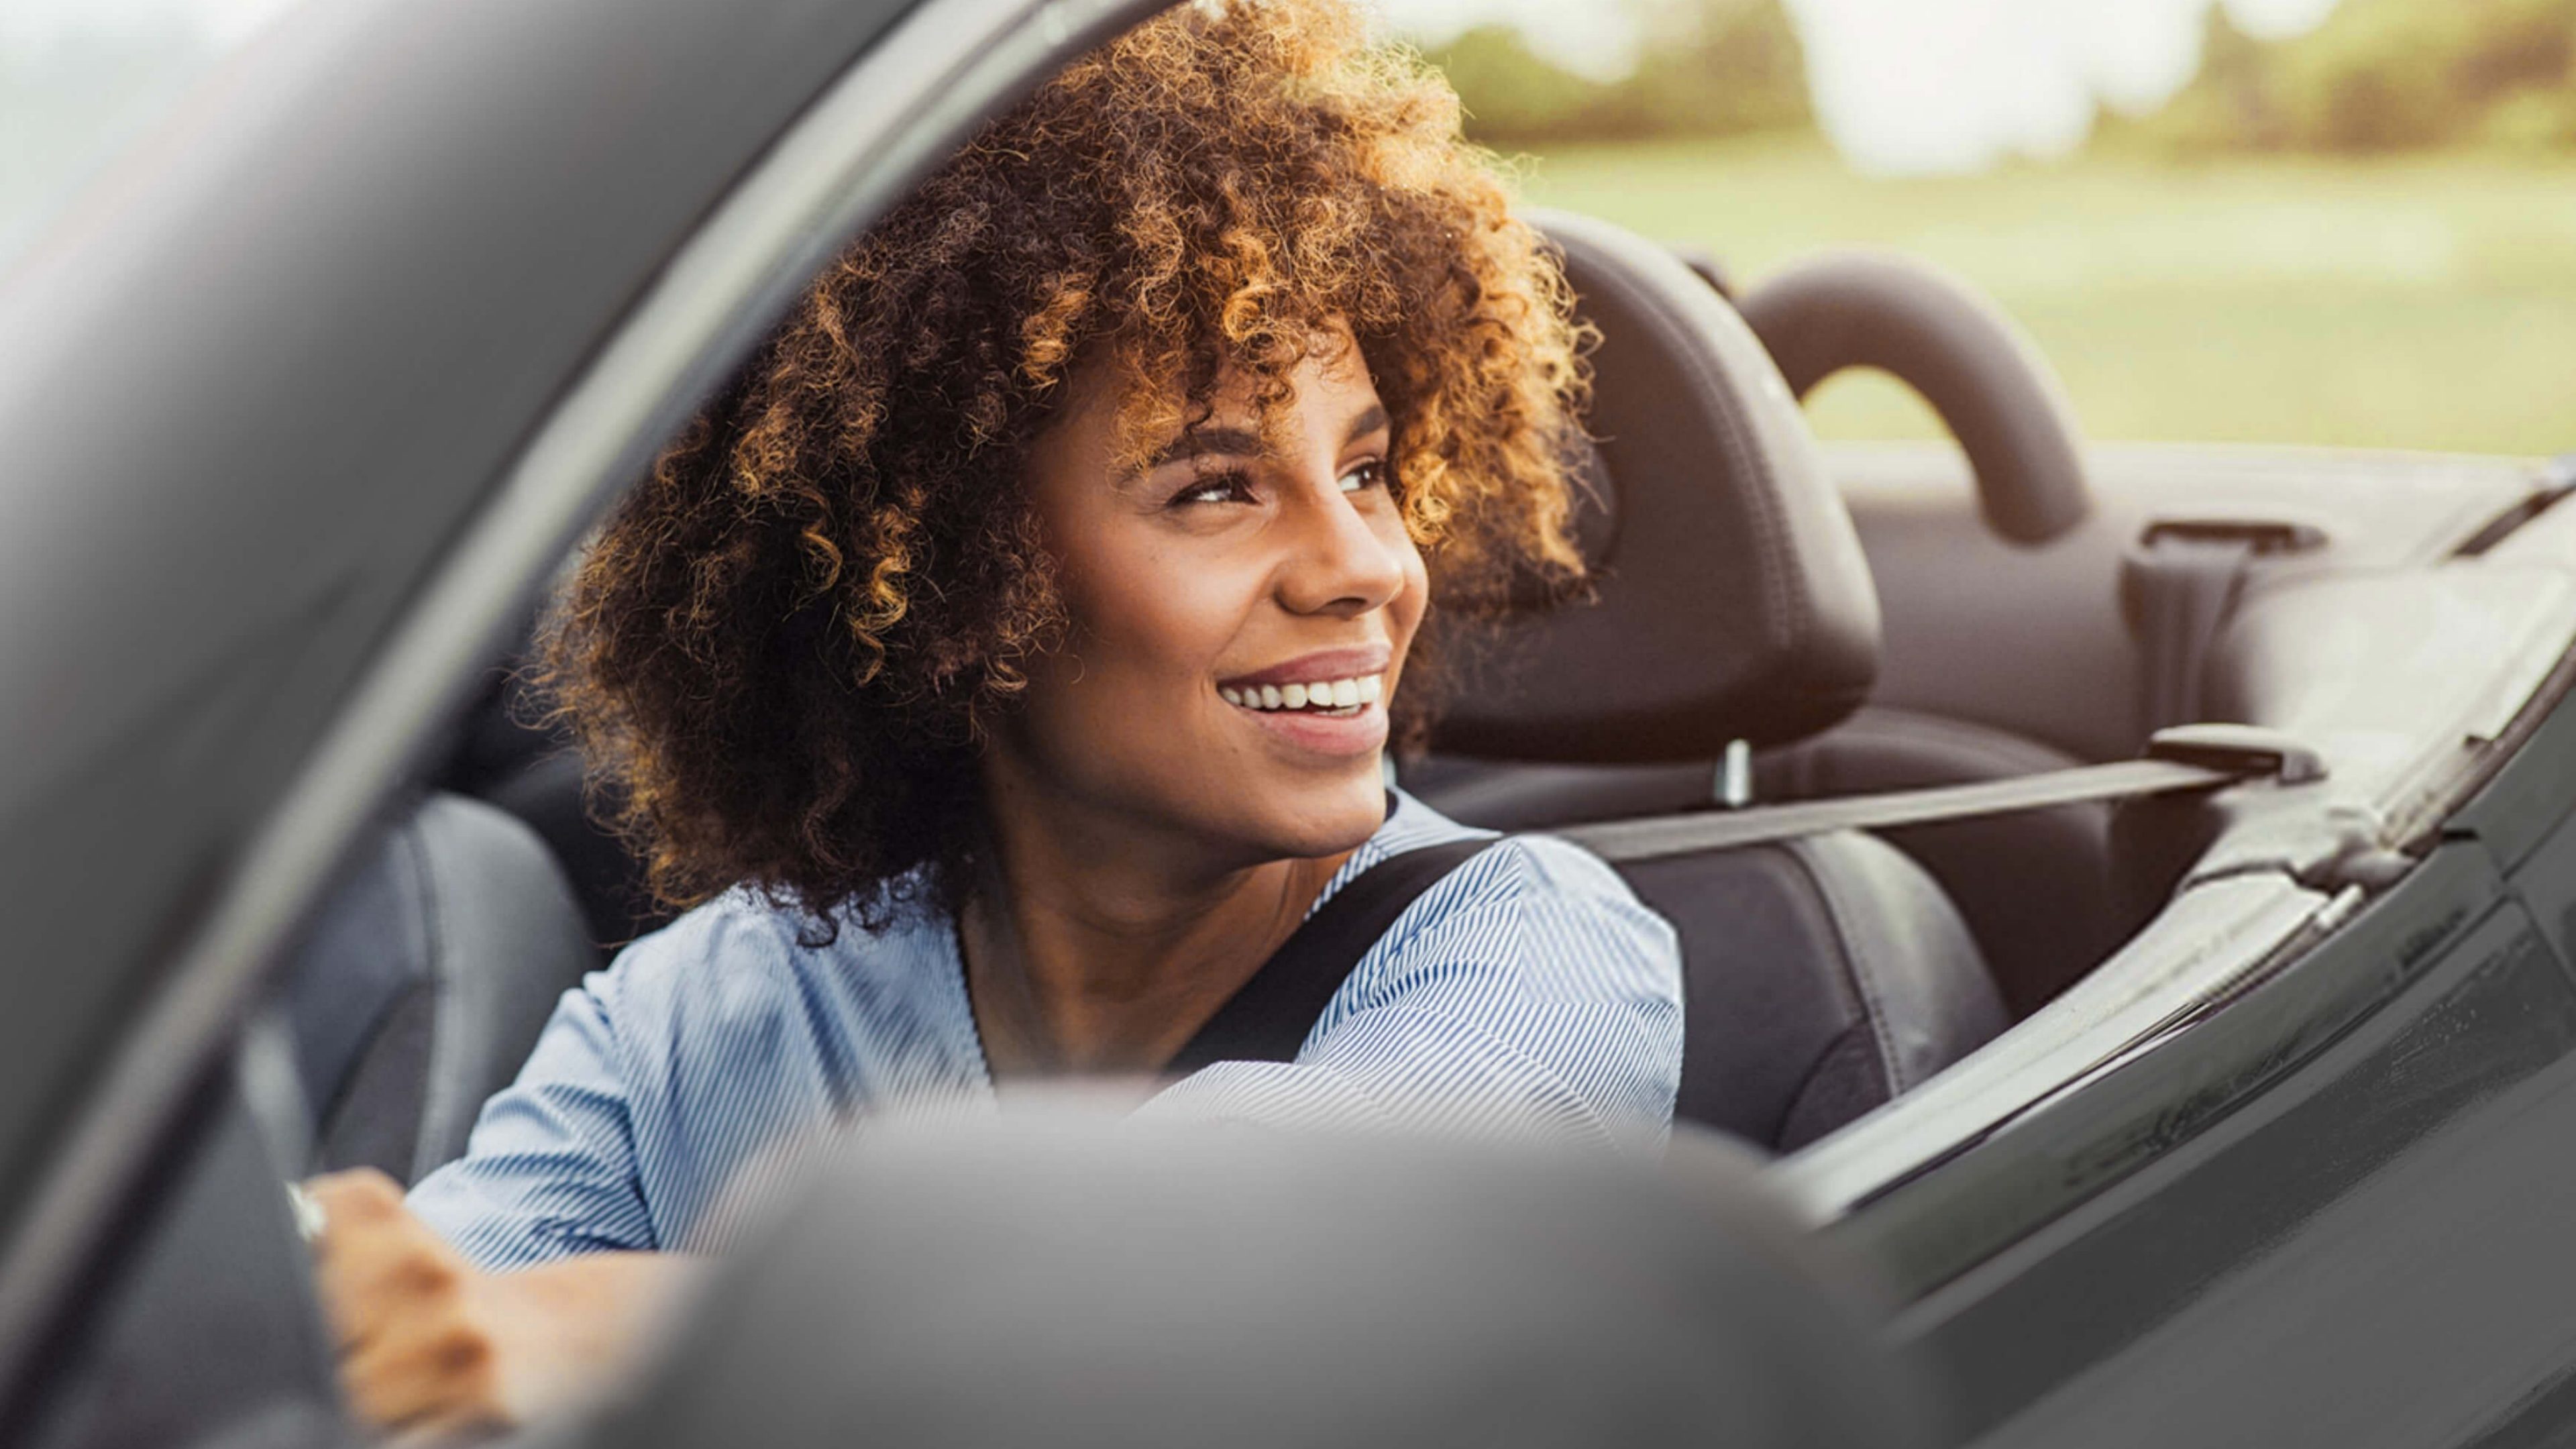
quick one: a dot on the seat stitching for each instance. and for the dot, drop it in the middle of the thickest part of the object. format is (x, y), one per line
(402, 843)
(1807, 1085)
(442, 1045)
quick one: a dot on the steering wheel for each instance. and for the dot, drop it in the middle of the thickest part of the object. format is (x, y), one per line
(1934, 333)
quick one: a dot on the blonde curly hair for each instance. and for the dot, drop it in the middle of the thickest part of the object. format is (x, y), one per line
(782, 651)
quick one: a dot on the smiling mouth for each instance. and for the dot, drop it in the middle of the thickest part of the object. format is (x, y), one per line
(1333, 697)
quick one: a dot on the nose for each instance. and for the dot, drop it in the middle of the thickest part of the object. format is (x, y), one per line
(1346, 559)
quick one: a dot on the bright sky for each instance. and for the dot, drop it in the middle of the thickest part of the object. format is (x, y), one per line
(1929, 85)
(1902, 85)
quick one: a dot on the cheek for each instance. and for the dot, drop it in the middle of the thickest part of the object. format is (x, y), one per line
(1153, 617)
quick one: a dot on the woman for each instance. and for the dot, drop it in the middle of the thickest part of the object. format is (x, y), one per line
(1007, 665)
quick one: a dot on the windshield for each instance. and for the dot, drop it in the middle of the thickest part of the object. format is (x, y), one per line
(81, 79)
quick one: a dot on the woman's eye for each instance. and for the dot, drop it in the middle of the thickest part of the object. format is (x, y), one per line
(1371, 474)
(1227, 487)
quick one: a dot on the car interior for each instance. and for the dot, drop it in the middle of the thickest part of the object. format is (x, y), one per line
(1825, 974)
(1768, 623)
(1772, 622)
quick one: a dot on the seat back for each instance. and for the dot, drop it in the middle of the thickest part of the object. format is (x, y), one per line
(1822, 977)
(423, 984)
(1733, 603)
(2034, 886)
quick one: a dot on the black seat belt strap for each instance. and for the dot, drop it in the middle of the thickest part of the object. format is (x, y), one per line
(2177, 587)
(1271, 1017)
(2189, 757)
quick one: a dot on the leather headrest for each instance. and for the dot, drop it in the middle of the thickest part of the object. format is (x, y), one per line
(1732, 600)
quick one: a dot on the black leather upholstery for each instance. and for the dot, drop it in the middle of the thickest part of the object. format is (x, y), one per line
(422, 986)
(1733, 598)
(1827, 974)
(1824, 976)
(2034, 887)
(510, 750)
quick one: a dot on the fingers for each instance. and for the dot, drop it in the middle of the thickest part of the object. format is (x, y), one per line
(360, 1194)
(415, 1350)
(373, 1262)
(425, 1375)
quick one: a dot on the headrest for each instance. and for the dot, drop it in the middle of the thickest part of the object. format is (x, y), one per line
(1732, 600)
(1060, 1274)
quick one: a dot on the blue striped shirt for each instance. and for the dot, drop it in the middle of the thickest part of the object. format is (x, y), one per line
(1527, 993)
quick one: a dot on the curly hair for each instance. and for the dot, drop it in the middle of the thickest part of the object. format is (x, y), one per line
(781, 653)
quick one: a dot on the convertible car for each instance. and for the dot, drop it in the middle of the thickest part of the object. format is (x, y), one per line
(2126, 891)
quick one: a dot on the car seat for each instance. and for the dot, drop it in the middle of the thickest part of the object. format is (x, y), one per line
(509, 750)
(2034, 886)
(1732, 603)
(423, 984)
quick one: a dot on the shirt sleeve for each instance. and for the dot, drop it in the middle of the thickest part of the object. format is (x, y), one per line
(1529, 994)
(550, 1170)
(654, 1089)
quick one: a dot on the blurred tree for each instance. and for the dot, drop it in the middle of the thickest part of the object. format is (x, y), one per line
(1708, 67)
(2384, 75)
(1513, 97)
(2228, 105)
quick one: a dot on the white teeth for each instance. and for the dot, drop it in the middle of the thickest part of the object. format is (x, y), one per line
(1318, 694)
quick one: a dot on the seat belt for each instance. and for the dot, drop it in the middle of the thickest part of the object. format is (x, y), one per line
(1271, 1016)
(2186, 757)
(2177, 588)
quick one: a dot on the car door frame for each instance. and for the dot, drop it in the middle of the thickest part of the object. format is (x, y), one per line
(377, 660)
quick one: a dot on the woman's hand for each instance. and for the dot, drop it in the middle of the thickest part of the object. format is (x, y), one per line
(428, 1341)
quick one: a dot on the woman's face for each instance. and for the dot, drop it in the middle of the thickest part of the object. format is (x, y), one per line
(1241, 608)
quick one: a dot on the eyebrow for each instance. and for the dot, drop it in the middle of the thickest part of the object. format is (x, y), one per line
(1245, 443)
(1369, 421)
(1205, 442)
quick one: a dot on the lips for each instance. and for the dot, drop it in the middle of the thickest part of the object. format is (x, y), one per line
(1326, 681)
(1324, 666)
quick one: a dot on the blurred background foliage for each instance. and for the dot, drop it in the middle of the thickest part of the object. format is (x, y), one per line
(2382, 75)
(2375, 76)
(2355, 225)
(1705, 68)
(2362, 234)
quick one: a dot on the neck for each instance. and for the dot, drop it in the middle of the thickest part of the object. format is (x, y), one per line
(1096, 943)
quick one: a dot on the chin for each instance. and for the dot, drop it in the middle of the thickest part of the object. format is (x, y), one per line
(1311, 819)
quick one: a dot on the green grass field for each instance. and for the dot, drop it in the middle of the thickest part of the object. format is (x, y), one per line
(2421, 303)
